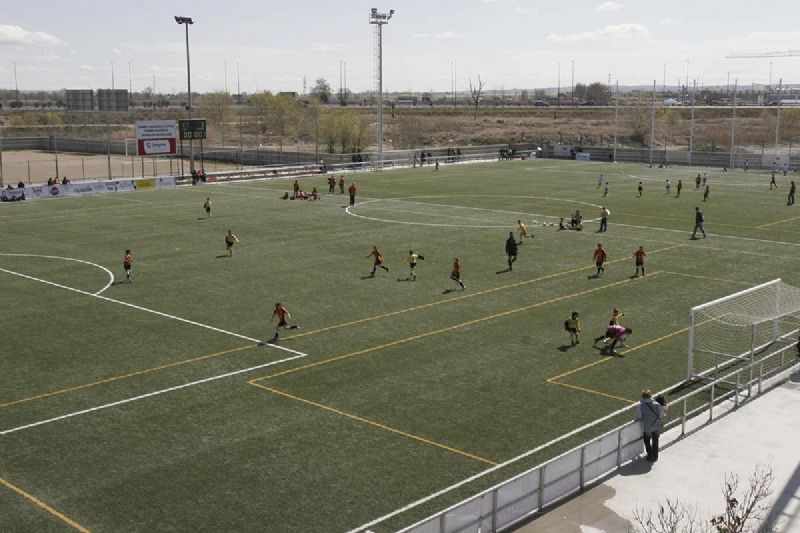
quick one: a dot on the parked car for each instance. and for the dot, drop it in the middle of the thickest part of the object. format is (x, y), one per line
(540, 103)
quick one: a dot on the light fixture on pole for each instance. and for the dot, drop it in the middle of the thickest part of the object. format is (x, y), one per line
(187, 21)
(379, 19)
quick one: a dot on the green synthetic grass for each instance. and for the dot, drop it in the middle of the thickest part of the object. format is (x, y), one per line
(407, 386)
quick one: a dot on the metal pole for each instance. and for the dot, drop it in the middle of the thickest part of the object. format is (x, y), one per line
(1, 162)
(380, 95)
(616, 118)
(733, 127)
(189, 88)
(778, 123)
(653, 125)
(558, 89)
(55, 141)
(691, 123)
(572, 86)
(83, 169)
(108, 137)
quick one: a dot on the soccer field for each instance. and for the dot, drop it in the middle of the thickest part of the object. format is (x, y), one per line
(153, 406)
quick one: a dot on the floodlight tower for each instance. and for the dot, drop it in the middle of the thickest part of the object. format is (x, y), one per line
(379, 19)
(187, 21)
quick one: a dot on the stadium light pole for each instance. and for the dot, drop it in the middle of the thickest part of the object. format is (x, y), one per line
(379, 19)
(616, 118)
(186, 21)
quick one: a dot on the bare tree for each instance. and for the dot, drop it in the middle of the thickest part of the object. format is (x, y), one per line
(313, 112)
(475, 93)
(743, 514)
(216, 106)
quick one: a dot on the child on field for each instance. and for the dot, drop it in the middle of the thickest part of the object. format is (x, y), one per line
(573, 326)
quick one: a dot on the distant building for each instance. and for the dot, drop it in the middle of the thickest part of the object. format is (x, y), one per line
(112, 99)
(80, 100)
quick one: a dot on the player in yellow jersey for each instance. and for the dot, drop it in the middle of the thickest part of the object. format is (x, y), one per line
(230, 240)
(573, 326)
(207, 207)
(412, 263)
(523, 231)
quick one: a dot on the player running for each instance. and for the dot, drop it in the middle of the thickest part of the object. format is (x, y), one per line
(283, 316)
(706, 192)
(230, 240)
(511, 250)
(378, 258)
(639, 256)
(523, 231)
(207, 207)
(616, 316)
(697, 182)
(412, 260)
(600, 181)
(679, 188)
(667, 186)
(127, 264)
(599, 257)
(455, 275)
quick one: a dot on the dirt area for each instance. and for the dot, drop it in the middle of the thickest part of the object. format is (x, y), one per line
(32, 167)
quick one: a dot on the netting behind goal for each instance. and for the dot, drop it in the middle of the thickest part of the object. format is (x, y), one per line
(743, 327)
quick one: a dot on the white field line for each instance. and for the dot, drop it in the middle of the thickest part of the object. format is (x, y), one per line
(110, 274)
(159, 313)
(767, 241)
(148, 395)
(408, 200)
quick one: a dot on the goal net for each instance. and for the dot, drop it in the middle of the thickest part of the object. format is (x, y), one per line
(742, 328)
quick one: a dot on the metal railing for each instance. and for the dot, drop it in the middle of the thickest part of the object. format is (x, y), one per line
(515, 499)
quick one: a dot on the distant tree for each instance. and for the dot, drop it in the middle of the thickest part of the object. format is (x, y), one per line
(408, 132)
(475, 93)
(524, 97)
(312, 114)
(260, 105)
(598, 93)
(216, 107)
(638, 122)
(579, 91)
(322, 90)
(671, 119)
(284, 115)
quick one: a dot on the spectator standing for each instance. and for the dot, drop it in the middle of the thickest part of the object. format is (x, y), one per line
(650, 413)
(790, 199)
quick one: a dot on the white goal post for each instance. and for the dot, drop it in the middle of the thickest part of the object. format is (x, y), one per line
(743, 327)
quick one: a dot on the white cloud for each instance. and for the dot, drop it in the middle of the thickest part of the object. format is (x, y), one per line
(525, 11)
(609, 6)
(87, 68)
(326, 48)
(665, 20)
(618, 32)
(420, 35)
(448, 35)
(18, 35)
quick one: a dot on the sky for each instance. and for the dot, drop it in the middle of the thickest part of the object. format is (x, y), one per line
(510, 43)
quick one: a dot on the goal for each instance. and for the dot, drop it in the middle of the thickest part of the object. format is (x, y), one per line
(742, 328)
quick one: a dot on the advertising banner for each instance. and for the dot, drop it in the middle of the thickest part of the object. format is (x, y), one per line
(156, 137)
(583, 156)
(145, 184)
(12, 195)
(165, 182)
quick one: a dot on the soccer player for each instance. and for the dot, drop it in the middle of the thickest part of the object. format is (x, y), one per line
(207, 207)
(573, 325)
(600, 257)
(341, 184)
(667, 185)
(600, 181)
(127, 264)
(352, 191)
(230, 240)
(455, 275)
(790, 199)
(412, 263)
(604, 212)
(699, 220)
(618, 335)
(638, 256)
(697, 182)
(616, 316)
(706, 192)
(772, 184)
(679, 188)
(705, 178)
(523, 231)
(640, 188)
(605, 190)
(296, 189)
(378, 260)
(511, 249)
(283, 316)
(331, 185)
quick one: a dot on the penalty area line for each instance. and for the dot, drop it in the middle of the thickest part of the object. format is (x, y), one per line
(148, 395)
(154, 312)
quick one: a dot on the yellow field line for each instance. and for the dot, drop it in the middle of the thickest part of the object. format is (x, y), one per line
(465, 296)
(375, 424)
(576, 370)
(42, 505)
(124, 376)
(710, 278)
(777, 222)
(714, 224)
(596, 393)
(443, 330)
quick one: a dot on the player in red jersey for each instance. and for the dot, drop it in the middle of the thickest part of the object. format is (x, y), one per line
(638, 256)
(600, 257)
(283, 316)
(127, 264)
(455, 275)
(378, 258)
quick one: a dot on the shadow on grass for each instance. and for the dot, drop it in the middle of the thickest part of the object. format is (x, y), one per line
(564, 348)
(503, 271)
(368, 276)
(223, 255)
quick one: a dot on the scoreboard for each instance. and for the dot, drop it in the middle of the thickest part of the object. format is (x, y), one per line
(192, 130)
